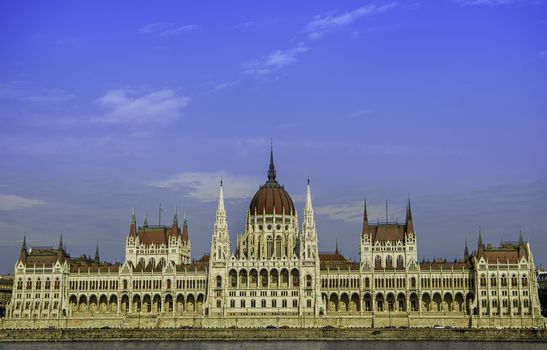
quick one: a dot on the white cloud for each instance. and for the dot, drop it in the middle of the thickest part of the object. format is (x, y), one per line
(322, 24)
(13, 202)
(204, 186)
(155, 108)
(167, 29)
(273, 61)
(353, 212)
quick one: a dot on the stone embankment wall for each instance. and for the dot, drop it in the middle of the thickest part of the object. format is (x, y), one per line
(272, 334)
(373, 321)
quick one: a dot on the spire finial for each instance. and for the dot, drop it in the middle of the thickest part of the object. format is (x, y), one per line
(387, 213)
(521, 238)
(466, 250)
(60, 247)
(271, 170)
(145, 224)
(480, 237)
(336, 251)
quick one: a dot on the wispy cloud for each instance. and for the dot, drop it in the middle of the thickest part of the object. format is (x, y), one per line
(485, 2)
(39, 96)
(324, 23)
(10, 202)
(155, 108)
(167, 29)
(353, 212)
(204, 186)
(273, 61)
(542, 54)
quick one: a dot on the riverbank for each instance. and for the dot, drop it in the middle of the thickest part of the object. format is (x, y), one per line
(45, 335)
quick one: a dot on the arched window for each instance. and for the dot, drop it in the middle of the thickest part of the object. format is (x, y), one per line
(483, 281)
(378, 261)
(29, 284)
(168, 284)
(124, 284)
(389, 261)
(413, 282)
(219, 282)
(400, 261)
(367, 282)
(524, 281)
(278, 247)
(48, 284)
(493, 281)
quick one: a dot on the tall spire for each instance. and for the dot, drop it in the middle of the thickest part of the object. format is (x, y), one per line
(175, 218)
(466, 251)
(133, 225)
(521, 238)
(308, 206)
(336, 251)
(220, 198)
(409, 222)
(145, 224)
(271, 170)
(23, 253)
(481, 244)
(365, 218)
(185, 228)
(97, 259)
(60, 247)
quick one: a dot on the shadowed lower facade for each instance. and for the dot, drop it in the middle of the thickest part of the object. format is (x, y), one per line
(275, 277)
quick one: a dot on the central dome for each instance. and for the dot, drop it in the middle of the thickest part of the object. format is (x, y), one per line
(271, 198)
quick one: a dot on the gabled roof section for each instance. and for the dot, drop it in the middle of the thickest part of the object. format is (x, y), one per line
(335, 261)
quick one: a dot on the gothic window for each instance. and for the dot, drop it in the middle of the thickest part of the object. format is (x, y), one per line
(20, 284)
(503, 281)
(284, 303)
(413, 282)
(48, 284)
(278, 247)
(29, 284)
(232, 303)
(263, 303)
(367, 282)
(294, 303)
(253, 303)
(524, 281)
(242, 303)
(483, 281)
(400, 261)
(493, 281)
(514, 280)
(274, 303)
(124, 284)
(308, 281)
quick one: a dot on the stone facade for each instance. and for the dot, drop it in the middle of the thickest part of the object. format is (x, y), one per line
(275, 277)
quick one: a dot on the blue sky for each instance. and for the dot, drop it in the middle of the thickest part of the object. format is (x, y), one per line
(108, 104)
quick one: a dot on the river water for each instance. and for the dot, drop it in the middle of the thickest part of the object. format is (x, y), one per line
(275, 345)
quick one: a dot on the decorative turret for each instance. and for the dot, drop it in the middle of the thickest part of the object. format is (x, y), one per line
(220, 243)
(309, 232)
(23, 253)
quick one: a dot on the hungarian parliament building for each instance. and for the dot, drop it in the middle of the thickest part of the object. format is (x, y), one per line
(276, 277)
